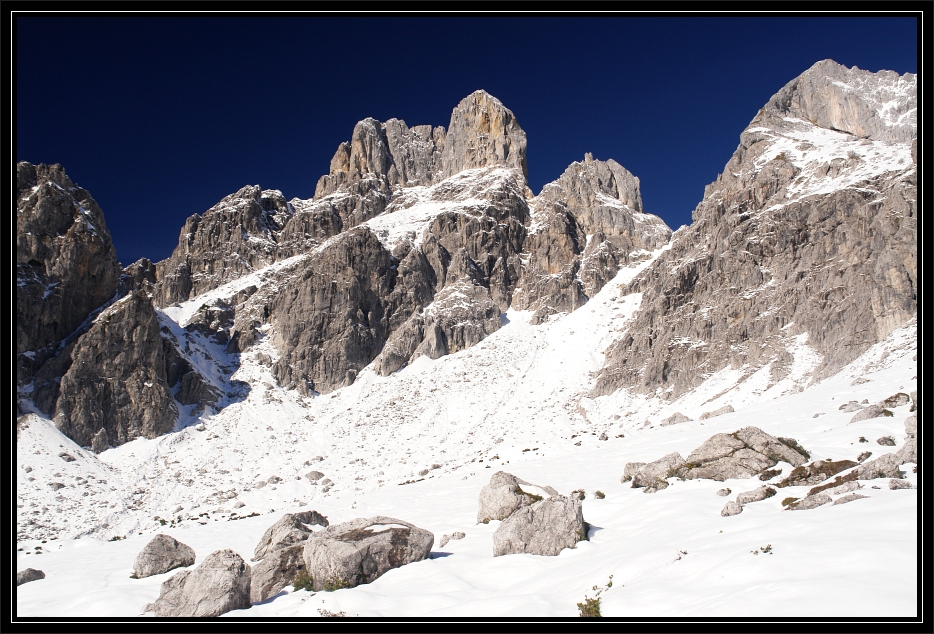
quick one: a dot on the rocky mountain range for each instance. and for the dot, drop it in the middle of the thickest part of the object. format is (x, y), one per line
(419, 240)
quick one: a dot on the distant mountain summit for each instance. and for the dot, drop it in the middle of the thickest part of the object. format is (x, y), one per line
(419, 240)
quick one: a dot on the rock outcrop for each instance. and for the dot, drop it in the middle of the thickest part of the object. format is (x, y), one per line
(742, 454)
(361, 550)
(116, 380)
(807, 243)
(235, 237)
(66, 266)
(544, 528)
(221, 583)
(162, 554)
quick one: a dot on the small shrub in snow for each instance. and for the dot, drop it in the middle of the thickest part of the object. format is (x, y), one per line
(303, 581)
(328, 613)
(788, 501)
(335, 584)
(580, 493)
(599, 495)
(590, 607)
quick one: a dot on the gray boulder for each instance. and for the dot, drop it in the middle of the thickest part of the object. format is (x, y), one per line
(361, 550)
(815, 472)
(446, 538)
(314, 476)
(886, 441)
(742, 454)
(162, 554)
(846, 487)
(544, 528)
(654, 475)
(276, 571)
(726, 409)
(911, 426)
(852, 406)
(901, 484)
(731, 508)
(724, 492)
(873, 411)
(810, 502)
(220, 584)
(849, 498)
(289, 530)
(30, 574)
(896, 400)
(914, 400)
(630, 470)
(674, 419)
(755, 495)
(503, 495)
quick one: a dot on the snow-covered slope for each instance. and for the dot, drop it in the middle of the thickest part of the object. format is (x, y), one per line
(670, 553)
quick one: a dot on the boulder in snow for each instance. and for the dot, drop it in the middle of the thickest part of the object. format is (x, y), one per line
(289, 530)
(504, 494)
(30, 574)
(726, 409)
(654, 475)
(630, 470)
(810, 502)
(724, 492)
(544, 528)
(849, 498)
(896, 400)
(815, 472)
(276, 571)
(901, 484)
(873, 411)
(361, 550)
(886, 441)
(446, 538)
(755, 495)
(742, 454)
(674, 419)
(162, 554)
(220, 584)
(731, 508)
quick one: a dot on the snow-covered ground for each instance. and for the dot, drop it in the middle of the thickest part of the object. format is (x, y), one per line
(515, 402)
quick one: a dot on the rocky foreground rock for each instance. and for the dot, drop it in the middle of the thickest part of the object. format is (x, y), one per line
(221, 583)
(361, 550)
(504, 495)
(544, 528)
(162, 554)
(742, 454)
(291, 529)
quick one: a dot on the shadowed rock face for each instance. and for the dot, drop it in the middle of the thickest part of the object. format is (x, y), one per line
(233, 238)
(787, 238)
(66, 266)
(116, 380)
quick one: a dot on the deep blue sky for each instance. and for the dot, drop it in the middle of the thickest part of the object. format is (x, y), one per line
(160, 118)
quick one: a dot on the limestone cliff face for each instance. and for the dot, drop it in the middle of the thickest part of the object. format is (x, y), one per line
(66, 266)
(809, 236)
(116, 380)
(233, 238)
(586, 225)
(415, 243)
